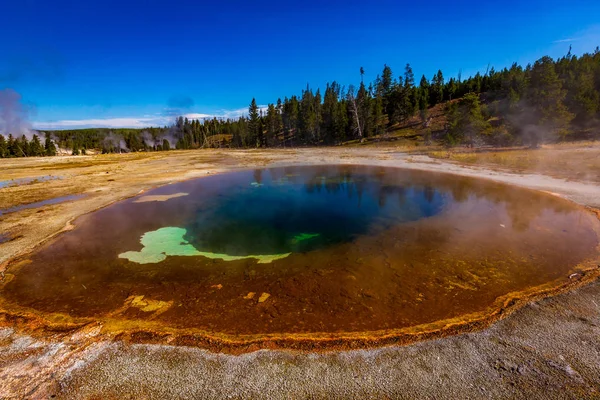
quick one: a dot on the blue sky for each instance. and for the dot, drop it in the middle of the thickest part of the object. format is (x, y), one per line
(135, 63)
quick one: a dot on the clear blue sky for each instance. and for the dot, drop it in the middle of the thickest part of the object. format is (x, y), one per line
(135, 62)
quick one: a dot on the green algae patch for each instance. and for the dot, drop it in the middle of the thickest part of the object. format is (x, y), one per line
(304, 236)
(159, 244)
(169, 241)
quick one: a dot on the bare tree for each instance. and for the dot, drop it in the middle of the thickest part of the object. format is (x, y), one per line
(354, 107)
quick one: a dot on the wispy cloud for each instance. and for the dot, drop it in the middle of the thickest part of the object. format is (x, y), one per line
(136, 122)
(240, 111)
(123, 122)
(566, 40)
(197, 116)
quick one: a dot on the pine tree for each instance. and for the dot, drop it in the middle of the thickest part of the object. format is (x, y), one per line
(582, 97)
(451, 89)
(12, 146)
(3, 147)
(409, 85)
(341, 121)
(365, 99)
(387, 80)
(513, 85)
(253, 125)
(547, 96)
(329, 112)
(379, 103)
(309, 117)
(318, 106)
(23, 147)
(291, 113)
(49, 146)
(378, 116)
(273, 123)
(436, 94)
(409, 95)
(35, 147)
(260, 140)
(466, 122)
(423, 98)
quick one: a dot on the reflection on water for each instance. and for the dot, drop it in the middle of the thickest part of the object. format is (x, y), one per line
(370, 248)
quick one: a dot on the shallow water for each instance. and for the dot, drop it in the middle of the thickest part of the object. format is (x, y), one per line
(26, 181)
(37, 204)
(307, 249)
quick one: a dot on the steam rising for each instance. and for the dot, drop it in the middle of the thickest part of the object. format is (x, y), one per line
(115, 142)
(14, 115)
(148, 139)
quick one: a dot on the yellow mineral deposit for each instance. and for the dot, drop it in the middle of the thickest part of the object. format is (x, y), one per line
(148, 305)
(263, 297)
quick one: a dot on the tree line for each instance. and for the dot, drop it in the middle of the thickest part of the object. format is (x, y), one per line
(22, 147)
(547, 100)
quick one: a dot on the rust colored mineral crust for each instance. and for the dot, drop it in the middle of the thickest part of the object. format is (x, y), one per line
(149, 332)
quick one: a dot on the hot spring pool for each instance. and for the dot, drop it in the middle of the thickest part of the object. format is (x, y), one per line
(306, 252)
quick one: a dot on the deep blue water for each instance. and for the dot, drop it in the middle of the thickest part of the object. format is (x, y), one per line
(270, 212)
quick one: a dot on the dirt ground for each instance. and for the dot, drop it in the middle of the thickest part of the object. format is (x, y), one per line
(548, 349)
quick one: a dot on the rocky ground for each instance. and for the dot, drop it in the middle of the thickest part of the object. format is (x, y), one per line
(548, 349)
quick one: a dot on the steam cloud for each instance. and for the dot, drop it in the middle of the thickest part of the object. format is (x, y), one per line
(148, 139)
(115, 141)
(14, 115)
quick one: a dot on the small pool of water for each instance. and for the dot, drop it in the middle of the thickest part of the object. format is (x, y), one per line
(26, 181)
(37, 204)
(303, 250)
